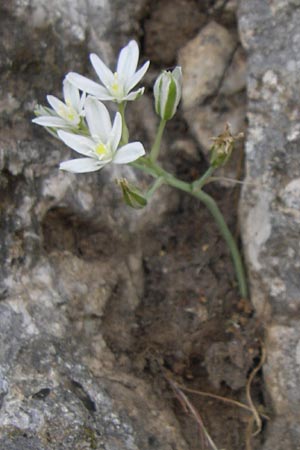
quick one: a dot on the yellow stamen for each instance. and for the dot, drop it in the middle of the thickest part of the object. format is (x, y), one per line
(68, 113)
(101, 149)
(115, 85)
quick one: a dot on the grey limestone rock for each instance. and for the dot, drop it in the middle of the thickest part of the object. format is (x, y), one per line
(203, 61)
(270, 203)
(214, 80)
(66, 252)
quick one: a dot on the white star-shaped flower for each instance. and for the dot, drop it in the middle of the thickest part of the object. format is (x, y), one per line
(115, 86)
(66, 114)
(101, 147)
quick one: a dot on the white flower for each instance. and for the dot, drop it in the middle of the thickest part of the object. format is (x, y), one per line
(116, 86)
(62, 115)
(101, 147)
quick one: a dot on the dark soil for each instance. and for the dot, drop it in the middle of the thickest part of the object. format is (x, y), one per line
(194, 327)
(191, 325)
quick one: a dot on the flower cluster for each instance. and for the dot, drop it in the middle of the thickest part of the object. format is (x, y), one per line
(101, 146)
(83, 122)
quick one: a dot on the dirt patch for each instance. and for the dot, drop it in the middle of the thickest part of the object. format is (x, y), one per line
(193, 326)
(190, 326)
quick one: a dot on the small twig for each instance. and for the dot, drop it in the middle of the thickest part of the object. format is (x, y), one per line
(188, 405)
(248, 391)
(255, 418)
(232, 180)
(249, 429)
(223, 399)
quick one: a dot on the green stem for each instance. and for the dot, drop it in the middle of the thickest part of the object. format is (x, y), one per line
(213, 208)
(198, 184)
(125, 132)
(156, 146)
(211, 205)
(156, 171)
(158, 182)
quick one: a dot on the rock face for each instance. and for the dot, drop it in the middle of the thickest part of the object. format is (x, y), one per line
(270, 204)
(204, 60)
(170, 25)
(76, 296)
(59, 382)
(214, 74)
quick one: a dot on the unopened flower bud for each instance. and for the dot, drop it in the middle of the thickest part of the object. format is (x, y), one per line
(167, 93)
(132, 195)
(222, 148)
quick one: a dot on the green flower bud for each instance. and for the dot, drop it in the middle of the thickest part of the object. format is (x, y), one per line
(167, 93)
(222, 148)
(132, 196)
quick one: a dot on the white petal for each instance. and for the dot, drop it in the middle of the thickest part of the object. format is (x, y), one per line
(103, 72)
(89, 86)
(116, 132)
(71, 95)
(98, 119)
(51, 121)
(80, 144)
(44, 111)
(82, 102)
(166, 80)
(56, 104)
(133, 95)
(157, 92)
(177, 73)
(137, 77)
(81, 165)
(129, 153)
(128, 60)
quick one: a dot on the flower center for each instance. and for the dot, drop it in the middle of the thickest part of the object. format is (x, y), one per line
(69, 113)
(102, 150)
(116, 86)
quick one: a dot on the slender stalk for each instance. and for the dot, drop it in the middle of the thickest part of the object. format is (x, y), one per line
(156, 171)
(125, 132)
(156, 146)
(229, 239)
(198, 184)
(158, 182)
